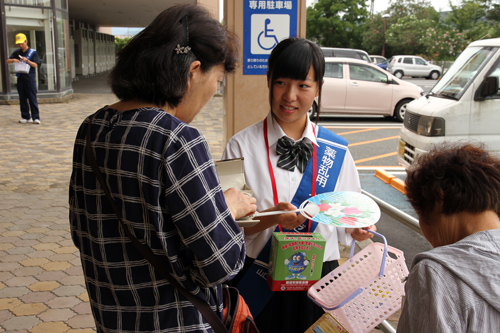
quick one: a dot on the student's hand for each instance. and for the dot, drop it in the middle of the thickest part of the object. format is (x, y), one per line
(239, 203)
(360, 234)
(288, 220)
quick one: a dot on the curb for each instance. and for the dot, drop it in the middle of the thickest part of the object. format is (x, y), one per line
(390, 179)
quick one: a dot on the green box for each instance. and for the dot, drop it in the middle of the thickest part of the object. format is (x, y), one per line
(296, 260)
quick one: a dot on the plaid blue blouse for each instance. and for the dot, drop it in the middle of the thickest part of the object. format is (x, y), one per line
(162, 177)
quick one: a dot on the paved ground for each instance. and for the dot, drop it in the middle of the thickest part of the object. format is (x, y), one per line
(41, 283)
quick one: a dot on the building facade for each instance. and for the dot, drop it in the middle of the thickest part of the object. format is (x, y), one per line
(66, 48)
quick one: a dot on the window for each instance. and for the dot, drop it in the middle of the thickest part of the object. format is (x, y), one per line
(334, 70)
(420, 61)
(408, 61)
(496, 72)
(36, 24)
(366, 73)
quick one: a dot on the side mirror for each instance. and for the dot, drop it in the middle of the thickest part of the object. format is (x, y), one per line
(389, 80)
(488, 87)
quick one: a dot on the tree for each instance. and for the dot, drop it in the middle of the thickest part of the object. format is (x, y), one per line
(405, 36)
(476, 19)
(337, 23)
(421, 9)
(373, 36)
(409, 21)
(443, 44)
(120, 43)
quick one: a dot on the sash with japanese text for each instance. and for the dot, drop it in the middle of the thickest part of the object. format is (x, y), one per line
(330, 153)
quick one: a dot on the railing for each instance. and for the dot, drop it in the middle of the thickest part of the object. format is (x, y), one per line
(395, 213)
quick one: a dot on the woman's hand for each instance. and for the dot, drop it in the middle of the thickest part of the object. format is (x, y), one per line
(360, 234)
(239, 203)
(287, 220)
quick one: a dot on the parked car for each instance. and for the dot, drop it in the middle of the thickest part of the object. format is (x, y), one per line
(353, 86)
(377, 59)
(346, 53)
(384, 64)
(463, 106)
(408, 65)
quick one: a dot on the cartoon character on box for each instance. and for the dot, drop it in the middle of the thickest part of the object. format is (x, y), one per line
(296, 265)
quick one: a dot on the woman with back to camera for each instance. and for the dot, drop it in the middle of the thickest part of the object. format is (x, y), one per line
(455, 287)
(162, 176)
(280, 152)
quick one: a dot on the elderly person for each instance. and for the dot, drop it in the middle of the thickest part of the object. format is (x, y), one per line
(455, 287)
(162, 177)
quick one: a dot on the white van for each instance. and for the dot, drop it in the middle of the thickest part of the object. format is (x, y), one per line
(463, 106)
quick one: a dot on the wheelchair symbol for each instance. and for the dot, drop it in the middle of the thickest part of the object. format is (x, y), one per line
(267, 35)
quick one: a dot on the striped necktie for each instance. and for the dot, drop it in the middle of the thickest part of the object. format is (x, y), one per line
(293, 154)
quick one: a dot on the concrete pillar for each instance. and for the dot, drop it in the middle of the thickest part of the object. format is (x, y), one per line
(246, 96)
(212, 6)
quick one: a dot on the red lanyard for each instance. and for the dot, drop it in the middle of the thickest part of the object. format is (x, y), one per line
(273, 179)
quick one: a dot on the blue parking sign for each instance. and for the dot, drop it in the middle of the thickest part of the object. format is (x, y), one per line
(265, 23)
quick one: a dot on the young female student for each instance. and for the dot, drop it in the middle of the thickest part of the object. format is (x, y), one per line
(279, 154)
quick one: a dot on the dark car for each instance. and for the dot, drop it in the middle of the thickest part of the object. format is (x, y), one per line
(346, 53)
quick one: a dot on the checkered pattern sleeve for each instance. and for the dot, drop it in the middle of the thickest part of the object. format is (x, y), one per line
(162, 177)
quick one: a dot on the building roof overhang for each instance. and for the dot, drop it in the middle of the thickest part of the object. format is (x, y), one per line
(119, 13)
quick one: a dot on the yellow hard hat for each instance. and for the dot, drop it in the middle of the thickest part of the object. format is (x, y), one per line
(20, 38)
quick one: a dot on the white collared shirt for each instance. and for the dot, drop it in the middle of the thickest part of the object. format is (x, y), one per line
(250, 144)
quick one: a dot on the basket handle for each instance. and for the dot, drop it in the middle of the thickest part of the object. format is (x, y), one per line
(341, 304)
(382, 267)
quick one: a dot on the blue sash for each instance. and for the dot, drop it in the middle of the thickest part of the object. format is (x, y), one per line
(330, 156)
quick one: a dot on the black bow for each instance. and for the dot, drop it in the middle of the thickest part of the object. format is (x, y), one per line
(293, 154)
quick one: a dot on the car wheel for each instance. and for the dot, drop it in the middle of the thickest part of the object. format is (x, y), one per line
(434, 75)
(400, 110)
(312, 111)
(399, 74)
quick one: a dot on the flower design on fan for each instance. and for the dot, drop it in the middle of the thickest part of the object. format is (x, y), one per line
(335, 210)
(351, 211)
(324, 207)
(349, 220)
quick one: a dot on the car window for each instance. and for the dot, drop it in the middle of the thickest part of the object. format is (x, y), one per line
(496, 72)
(327, 53)
(420, 61)
(462, 72)
(334, 70)
(366, 73)
(346, 54)
(364, 57)
(408, 60)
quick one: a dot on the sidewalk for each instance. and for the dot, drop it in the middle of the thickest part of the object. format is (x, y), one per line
(41, 283)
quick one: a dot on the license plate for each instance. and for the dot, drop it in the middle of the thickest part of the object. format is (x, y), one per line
(401, 148)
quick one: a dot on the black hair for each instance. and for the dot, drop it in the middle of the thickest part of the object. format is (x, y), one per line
(148, 67)
(292, 58)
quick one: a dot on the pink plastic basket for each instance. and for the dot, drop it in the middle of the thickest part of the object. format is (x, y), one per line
(366, 289)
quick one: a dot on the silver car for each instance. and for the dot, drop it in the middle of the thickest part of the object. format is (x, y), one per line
(353, 86)
(408, 65)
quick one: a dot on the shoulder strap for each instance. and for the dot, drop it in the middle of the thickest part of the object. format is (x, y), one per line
(203, 307)
(30, 54)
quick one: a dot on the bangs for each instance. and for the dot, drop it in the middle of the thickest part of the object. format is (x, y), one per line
(294, 63)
